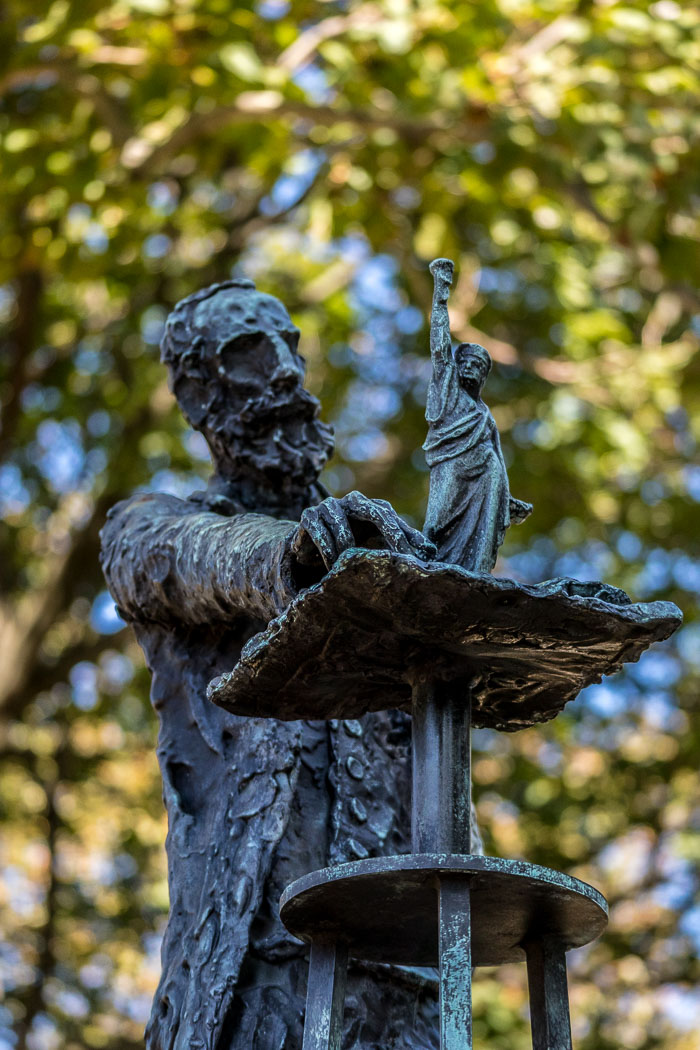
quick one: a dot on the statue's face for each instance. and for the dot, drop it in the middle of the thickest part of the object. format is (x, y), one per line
(252, 362)
(244, 350)
(472, 370)
(240, 381)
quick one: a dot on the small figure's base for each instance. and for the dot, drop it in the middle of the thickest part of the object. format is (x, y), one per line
(386, 909)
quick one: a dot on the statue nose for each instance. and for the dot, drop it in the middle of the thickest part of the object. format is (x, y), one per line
(284, 378)
(287, 372)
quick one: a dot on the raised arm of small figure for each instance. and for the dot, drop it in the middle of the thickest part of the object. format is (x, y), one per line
(440, 340)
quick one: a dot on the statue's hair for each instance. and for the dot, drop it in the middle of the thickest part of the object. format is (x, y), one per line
(473, 350)
(177, 337)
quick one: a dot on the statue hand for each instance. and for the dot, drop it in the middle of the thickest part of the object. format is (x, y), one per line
(442, 271)
(519, 511)
(335, 525)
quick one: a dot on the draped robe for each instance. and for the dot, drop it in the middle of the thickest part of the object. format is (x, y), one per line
(252, 803)
(468, 503)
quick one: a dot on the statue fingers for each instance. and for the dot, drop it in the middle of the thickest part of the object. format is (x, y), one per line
(359, 506)
(382, 516)
(320, 535)
(388, 524)
(334, 517)
(444, 268)
(419, 543)
(519, 510)
(355, 503)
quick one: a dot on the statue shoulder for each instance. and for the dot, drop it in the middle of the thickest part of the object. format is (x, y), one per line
(149, 505)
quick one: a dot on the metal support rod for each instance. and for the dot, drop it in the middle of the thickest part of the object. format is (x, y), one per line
(549, 994)
(441, 733)
(325, 996)
(455, 945)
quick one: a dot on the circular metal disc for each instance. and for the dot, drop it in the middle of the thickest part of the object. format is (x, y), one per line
(386, 908)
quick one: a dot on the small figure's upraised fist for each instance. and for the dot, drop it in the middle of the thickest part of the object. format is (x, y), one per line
(443, 272)
(336, 525)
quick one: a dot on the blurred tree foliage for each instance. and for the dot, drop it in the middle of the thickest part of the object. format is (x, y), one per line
(330, 150)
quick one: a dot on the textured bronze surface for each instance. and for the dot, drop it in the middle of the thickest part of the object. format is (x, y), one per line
(549, 994)
(252, 804)
(325, 996)
(352, 643)
(386, 909)
(469, 505)
(361, 621)
(455, 960)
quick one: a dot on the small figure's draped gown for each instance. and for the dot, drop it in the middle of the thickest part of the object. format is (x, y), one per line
(468, 504)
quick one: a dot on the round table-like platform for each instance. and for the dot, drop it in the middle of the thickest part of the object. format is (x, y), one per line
(386, 908)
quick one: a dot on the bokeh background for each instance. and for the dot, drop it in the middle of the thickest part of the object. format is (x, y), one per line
(329, 150)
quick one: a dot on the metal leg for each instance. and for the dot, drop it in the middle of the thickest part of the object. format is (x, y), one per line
(441, 806)
(455, 965)
(325, 996)
(549, 995)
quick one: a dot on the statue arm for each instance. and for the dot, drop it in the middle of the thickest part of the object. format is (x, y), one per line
(440, 339)
(167, 561)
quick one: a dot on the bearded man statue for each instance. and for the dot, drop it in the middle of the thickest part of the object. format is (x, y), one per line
(255, 803)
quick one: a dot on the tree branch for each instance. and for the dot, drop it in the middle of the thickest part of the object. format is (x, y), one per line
(82, 83)
(306, 44)
(254, 106)
(19, 350)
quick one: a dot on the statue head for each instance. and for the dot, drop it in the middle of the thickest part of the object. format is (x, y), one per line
(238, 378)
(473, 366)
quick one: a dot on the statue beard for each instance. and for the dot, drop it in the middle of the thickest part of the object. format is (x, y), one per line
(271, 453)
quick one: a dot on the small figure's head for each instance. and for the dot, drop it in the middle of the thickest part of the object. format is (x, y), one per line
(237, 376)
(473, 366)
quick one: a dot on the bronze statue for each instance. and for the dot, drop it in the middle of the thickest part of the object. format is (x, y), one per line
(253, 803)
(469, 505)
(284, 605)
(457, 647)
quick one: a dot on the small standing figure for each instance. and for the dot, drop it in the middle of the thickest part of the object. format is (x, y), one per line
(469, 503)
